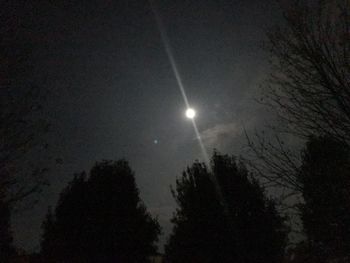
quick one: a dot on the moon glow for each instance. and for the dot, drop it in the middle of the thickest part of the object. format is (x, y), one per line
(190, 113)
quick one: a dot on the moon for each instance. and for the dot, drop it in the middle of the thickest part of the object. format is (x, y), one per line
(190, 113)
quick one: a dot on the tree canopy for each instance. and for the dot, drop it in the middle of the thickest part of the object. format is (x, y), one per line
(325, 177)
(224, 215)
(7, 250)
(100, 219)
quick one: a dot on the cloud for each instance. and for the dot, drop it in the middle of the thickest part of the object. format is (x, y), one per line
(221, 134)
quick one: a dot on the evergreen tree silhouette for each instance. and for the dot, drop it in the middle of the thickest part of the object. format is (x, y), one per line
(223, 215)
(100, 219)
(325, 177)
(7, 250)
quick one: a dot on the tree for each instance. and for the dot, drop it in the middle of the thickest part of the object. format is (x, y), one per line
(224, 216)
(7, 250)
(308, 89)
(22, 122)
(21, 128)
(325, 177)
(100, 219)
(310, 55)
(199, 222)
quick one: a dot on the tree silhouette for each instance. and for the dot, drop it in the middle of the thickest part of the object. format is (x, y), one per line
(199, 222)
(100, 219)
(309, 88)
(223, 216)
(22, 122)
(6, 248)
(325, 176)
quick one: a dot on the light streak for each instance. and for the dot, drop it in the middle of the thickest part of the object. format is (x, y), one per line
(172, 61)
(169, 52)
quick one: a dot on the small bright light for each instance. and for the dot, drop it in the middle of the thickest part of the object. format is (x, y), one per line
(190, 113)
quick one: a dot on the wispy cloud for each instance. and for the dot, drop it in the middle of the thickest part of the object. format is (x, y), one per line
(220, 134)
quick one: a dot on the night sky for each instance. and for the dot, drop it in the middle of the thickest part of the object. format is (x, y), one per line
(113, 93)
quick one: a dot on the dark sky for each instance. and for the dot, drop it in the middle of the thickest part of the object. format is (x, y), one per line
(113, 92)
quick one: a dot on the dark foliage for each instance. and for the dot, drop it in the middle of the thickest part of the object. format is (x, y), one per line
(224, 216)
(100, 219)
(7, 250)
(325, 176)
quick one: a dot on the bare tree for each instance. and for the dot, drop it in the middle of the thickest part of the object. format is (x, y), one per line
(21, 124)
(308, 89)
(274, 162)
(21, 128)
(21, 117)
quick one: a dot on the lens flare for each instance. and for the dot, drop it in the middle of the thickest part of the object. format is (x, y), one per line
(190, 113)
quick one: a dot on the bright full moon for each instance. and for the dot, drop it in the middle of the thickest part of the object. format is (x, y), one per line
(190, 113)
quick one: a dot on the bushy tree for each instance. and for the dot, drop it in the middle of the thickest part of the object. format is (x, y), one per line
(223, 215)
(101, 219)
(199, 222)
(325, 177)
(7, 250)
